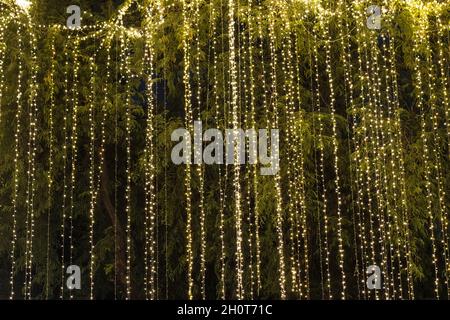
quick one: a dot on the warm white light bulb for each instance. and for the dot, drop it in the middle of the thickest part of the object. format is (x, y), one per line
(24, 4)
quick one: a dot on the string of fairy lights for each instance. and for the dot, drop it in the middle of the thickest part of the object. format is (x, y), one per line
(339, 202)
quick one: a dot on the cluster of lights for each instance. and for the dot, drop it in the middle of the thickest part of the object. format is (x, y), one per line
(275, 123)
(381, 196)
(332, 103)
(234, 106)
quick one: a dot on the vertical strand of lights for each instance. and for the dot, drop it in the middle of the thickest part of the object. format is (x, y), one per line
(65, 159)
(394, 170)
(443, 76)
(214, 49)
(277, 178)
(50, 158)
(264, 107)
(364, 157)
(150, 167)
(236, 168)
(291, 155)
(253, 184)
(74, 146)
(323, 198)
(32, 149)
(222, 179)
(92, 192)
(126, 74)
(189, 125)
(316, 168)
(299, 159)
(378, 157)
(332, 97)
(350, 108)
(418, 36)
(3, 24)
(200, 168)
(400, 163)
(435, 151)
(245, 110)
(16, 160)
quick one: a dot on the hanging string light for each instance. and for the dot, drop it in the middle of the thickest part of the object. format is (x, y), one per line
(189, 125)
(279, 208)
(236, 169)
(200, 168)
(16, 160)
(253, 175)
(32, 148)
(436, 164)
(344, 35)
(65, 159)
(92, 127)
(74, 147)
(418, 36)
(323, 199)
(365, 184)
(3, 24)
(126, 77)
(50, 159)
(443, 76)
(335, 154)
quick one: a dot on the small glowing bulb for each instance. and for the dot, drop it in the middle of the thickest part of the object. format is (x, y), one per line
(24, 4)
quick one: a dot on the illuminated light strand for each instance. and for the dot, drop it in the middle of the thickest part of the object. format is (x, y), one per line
(344, 35)
(435, 150)
(393, 166)
(50, 158)
(317, 98)
(253, 176)
(65, 158)
(291, 173)
(236, 169)
(16, 161)
(316, 165)
(216, 96)
(264, 107)
(400, 161)
(150, 218)
(33, 109)
(3, 24)
(74, 148)
(365, 183)
(247, 109)
(254, 183)
(254, 187)
(189, 125)
(277, 178)
(126, 74)
(299, 159)
(336, 157)
(376, 148)
(200, 168)
(92, 191)
(445, 101)
(418, 36)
